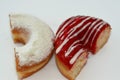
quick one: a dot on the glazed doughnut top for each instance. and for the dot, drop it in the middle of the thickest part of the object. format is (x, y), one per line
(76, 35)
(39, 43)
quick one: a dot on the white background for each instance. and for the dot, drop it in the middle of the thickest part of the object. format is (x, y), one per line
(105, 65)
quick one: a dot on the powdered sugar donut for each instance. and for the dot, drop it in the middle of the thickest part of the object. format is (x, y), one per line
(37, 39)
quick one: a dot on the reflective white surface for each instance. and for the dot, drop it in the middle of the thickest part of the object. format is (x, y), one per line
(105, 65)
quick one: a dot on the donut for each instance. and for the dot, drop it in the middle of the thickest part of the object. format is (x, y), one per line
(37, 41)
(76, 38)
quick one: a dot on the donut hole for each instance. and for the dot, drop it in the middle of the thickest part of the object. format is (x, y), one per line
(20, 36)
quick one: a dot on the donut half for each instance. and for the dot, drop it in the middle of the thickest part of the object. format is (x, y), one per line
(37, 41)
(75, 38)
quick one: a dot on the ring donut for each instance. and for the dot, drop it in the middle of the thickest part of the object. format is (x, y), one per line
(37, 39)
(75, 38)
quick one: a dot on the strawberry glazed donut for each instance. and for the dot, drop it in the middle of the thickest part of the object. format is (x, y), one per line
(76, 37)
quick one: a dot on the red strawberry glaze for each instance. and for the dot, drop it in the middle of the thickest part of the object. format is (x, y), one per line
(77, 35)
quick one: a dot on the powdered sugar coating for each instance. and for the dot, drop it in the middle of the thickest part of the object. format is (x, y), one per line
(40, 44)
